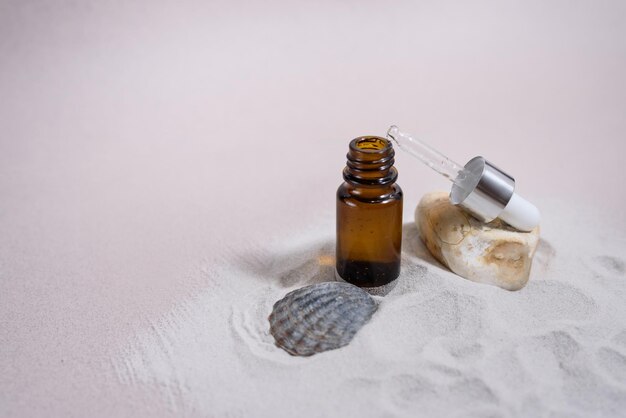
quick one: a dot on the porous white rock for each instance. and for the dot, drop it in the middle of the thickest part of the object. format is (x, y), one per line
(492, 253)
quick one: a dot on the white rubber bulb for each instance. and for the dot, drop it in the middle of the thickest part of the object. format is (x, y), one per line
(521, 214)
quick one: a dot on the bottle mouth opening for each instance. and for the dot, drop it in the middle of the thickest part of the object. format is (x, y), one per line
(370, 144)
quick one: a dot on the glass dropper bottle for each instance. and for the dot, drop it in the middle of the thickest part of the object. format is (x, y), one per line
(479, 187)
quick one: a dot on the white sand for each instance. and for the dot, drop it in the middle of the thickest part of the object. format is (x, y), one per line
(438, 345)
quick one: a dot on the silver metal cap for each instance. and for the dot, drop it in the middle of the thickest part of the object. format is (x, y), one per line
(482, 189)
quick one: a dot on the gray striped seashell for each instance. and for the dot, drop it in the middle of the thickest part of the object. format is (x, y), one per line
(320, 317)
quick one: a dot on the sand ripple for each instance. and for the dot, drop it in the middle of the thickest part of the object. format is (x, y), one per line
(613, 363)
(438, 345)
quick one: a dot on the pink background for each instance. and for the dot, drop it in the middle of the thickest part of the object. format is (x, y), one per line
(141, 139)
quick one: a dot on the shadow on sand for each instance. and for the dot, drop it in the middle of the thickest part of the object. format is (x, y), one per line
(315, 262)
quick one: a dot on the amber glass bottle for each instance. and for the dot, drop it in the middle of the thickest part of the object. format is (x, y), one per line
(369, 215)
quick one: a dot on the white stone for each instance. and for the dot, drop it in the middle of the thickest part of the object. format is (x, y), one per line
(492, 253)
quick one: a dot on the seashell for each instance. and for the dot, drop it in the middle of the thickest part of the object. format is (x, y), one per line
(320, 317)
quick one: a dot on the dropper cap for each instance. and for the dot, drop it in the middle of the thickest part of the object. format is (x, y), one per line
(480, 187)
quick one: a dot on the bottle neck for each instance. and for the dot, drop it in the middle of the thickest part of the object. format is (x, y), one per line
(370, 162)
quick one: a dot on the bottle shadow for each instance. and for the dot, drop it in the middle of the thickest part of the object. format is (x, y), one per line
(315, 262)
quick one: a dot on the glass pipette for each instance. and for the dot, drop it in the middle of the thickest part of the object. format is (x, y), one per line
(480, 187)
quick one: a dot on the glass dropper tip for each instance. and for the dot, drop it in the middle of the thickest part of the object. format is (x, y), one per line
(392, 133)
